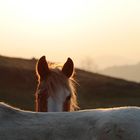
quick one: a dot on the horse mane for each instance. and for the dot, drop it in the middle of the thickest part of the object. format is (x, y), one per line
(56, 79)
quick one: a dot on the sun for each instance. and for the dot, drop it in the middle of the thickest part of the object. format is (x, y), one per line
(49, 11)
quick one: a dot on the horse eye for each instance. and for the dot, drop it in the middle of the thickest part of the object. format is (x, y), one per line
(69, 97)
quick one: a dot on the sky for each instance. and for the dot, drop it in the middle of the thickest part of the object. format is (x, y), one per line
(94, 33)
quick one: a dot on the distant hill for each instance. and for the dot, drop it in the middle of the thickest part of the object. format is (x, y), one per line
(18, 84)
(128, 72)
(17, 62)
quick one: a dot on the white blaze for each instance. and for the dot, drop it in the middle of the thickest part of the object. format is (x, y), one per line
(55, 102)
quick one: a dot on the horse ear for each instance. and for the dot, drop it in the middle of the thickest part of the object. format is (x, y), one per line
(42, 68)
(68, 68)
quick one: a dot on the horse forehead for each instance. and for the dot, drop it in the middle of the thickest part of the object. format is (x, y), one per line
(55, 102)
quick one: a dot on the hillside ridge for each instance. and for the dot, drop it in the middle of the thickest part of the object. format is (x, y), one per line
(18, 85)
(128, 72)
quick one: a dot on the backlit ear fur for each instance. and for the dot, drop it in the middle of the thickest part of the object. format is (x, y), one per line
(42, 68)
(68, 68)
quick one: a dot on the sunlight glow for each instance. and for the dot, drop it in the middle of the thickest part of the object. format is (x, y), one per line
(60, 28)
(45, 10)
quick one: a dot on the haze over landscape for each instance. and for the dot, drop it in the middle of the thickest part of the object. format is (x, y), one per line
(106, 32)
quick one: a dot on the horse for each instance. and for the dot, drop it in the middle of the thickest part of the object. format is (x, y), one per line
(56, 87)
(97, 124)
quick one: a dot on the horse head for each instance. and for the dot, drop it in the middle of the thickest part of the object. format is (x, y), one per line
(55, 90)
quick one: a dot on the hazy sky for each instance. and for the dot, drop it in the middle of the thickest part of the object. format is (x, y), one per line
(105, 31)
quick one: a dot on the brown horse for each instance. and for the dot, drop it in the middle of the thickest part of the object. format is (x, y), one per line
(56, 87)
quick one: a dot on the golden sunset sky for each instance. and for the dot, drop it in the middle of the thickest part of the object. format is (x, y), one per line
(107, 31)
